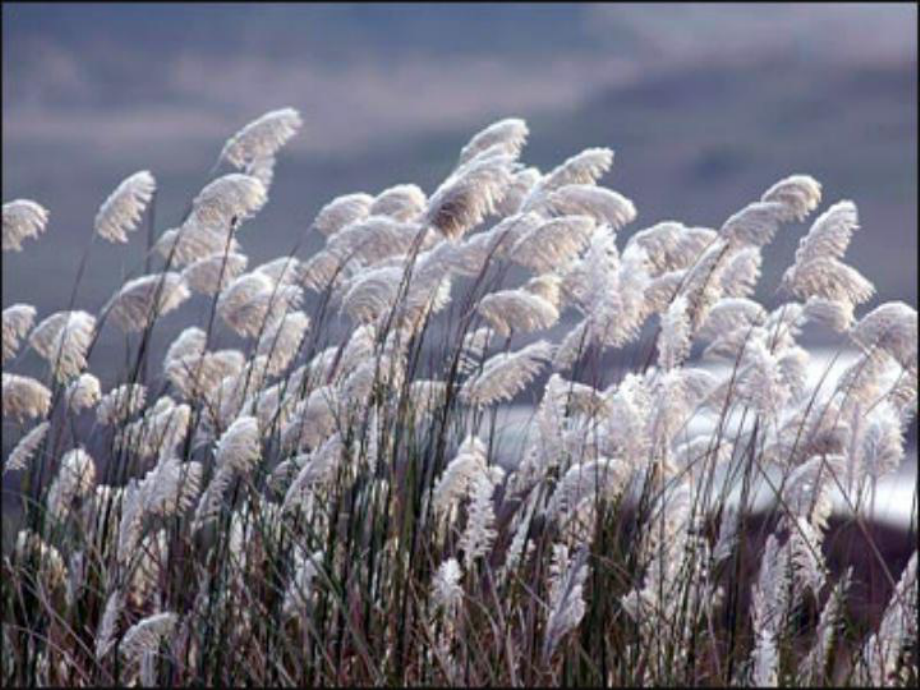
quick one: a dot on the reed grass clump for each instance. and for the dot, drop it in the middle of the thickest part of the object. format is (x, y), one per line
(339, 497)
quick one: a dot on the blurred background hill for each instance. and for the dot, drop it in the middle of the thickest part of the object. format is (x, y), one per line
(704, 105)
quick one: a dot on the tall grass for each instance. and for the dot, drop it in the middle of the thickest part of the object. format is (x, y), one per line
(339, 499)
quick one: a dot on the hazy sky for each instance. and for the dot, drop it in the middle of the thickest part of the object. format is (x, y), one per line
(116, 74)
(704, 105)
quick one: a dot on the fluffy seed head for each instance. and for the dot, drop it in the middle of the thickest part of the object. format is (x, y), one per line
(122, 211)
(21, 219)
(17, 321)
(140, 302)
(63, 340)
(262, 138)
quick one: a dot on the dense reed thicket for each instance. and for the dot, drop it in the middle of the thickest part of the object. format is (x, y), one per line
(324, 503)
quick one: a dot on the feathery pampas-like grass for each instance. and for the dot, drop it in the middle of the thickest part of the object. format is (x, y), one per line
(338, 495)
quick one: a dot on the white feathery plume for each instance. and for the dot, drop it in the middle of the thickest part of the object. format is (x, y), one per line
(448, 257)
(675, 338)
(24, 397)
(17, 321)
(546, 448)
(470, 194)
(379, 370)
(108, 624)
(521, 185)
(130, 545)
(120, 403)
(62, 340)
(75, 479)
(783, 325)
(275, 404)
(817, 270)
(317, 468)
(140, 302)
(322, 268)
(214, 272)
(591, 285)
(402, 202)
(807, 493)
(21, 455)
(891, 328)
(253, 300)
(584, 168)
(587, 482)
(554, 244)
(604, 205)
(799, 194)
(341, 212)
(372, 293)
(446, 591)
(702, 282)
(361, 346)
(159, 431)
(428, 293)
(830, 234)
(262, 138)
(730, 314)
(281, 340)
(611, 295)
(660, 290)
(578, 340)
(298, 595)
(566, 597)
(898, 629)
(812, 667)
(834, 314)
(760, 383)
(471, 256)
(83, 392)
(193, 242)
(121, 212)
(828, 278)
(793, 365)
(881, 449)
(21, 219)
(480, 533)
(517, 311)
(804, 547)
(729, 536)
(285, 270)
(145, 636)
(237, 453)
(547, 286)
(730, 344)
(239, 446)
(171, 487)
(263, 169)
(739, 276)
(312, 421)
(770, 603)
(755, 224)
(670, 245)
(509, 134)
(454, 483)
(593, 280)
(233, 196)
(375, 238)
(506, 374)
